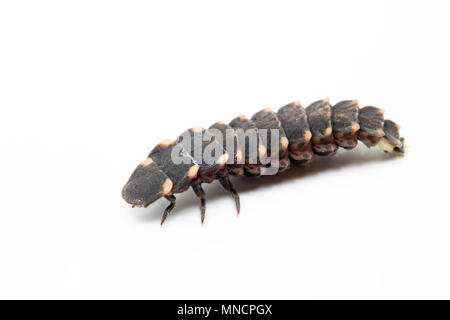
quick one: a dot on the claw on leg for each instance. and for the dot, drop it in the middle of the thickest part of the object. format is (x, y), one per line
(200, 193)
(172, 200)
(226, 183)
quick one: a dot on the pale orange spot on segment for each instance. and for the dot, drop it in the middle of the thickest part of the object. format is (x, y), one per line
(380, 132)
(355, 126)
(167, 142)
(220, 122)
(147, 162)
(328, 131)
(296, 103)
(197, 129)
(261, 150)
(223, 159)
(239, 156)
(307, 135)
(192, 172)
(242, 117)
(284, 142)
(267, 110)
(167, 186)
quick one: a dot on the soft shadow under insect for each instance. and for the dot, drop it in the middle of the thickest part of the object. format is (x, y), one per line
(359, 156)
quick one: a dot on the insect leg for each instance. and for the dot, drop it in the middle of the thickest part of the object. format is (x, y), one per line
(172, 200)
(226, 183)
(200, 193)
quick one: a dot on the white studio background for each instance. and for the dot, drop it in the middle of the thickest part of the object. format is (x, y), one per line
(87, 88)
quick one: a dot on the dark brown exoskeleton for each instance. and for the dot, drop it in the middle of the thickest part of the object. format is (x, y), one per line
(319, 129)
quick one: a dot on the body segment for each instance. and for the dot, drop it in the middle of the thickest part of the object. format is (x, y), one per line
(346, 123)
(247, 132)
(319, 118)
(296, 127)
(274, 136)
(371, 122)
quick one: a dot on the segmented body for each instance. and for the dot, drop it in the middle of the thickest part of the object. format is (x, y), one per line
(319, 129)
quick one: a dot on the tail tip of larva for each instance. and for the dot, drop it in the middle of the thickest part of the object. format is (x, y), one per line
(387, 147)
(401, 150)
(384, 145)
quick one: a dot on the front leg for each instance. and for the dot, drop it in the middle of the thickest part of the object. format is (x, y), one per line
(200, 193)
(172, 200)
(226, 183)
